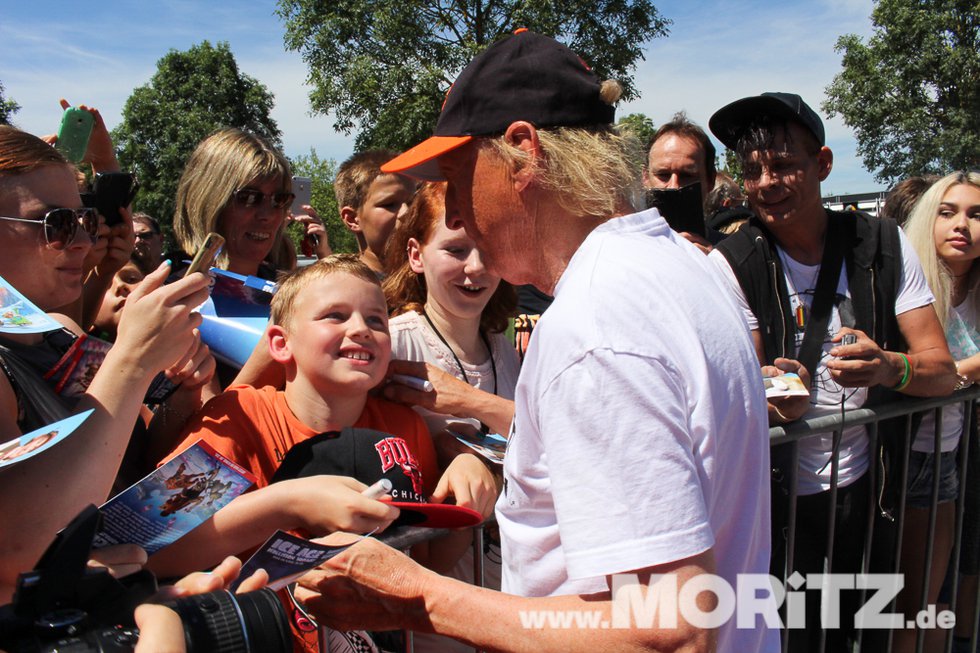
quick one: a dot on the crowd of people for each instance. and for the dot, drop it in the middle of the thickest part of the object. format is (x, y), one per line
(632, 402)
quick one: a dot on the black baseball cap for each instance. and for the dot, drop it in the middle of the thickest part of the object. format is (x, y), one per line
(370, 456)
(729, 122)
(524, 76)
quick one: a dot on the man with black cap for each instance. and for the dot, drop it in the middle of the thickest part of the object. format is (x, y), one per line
(639, 446)
(835, 275)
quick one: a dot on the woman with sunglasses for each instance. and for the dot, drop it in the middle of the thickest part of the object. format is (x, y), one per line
(45, 235)
(238, 185)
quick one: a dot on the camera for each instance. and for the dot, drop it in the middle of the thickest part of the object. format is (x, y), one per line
(63, 605)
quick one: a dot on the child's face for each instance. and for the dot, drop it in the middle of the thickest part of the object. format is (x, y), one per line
(338, 334)
(455, 276)
(123, 283)
(386, 201)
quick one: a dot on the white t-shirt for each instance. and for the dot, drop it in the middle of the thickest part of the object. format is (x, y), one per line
(964, 341)
(640, 436)
(825, 393)
(413, 339)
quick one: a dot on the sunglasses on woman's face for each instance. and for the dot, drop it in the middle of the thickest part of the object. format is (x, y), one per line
(61, 225)
(250, 198)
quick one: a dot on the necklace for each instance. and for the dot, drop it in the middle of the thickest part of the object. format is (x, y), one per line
(486, 342)
(459, 363)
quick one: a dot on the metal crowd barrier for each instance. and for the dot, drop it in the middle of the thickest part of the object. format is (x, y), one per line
(872, 418)
(793, 433)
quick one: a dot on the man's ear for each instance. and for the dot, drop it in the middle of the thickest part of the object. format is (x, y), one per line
(415, 256)
(279, 344)
(825, 162)
(349, 216)
(524, 136)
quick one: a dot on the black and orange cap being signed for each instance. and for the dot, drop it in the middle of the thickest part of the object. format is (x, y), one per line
(524, 76)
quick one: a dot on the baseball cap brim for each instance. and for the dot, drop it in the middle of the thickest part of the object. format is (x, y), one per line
(421, 162)
(435, 515)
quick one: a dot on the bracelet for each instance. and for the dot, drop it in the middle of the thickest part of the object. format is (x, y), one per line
(906, 377)
(962, 381)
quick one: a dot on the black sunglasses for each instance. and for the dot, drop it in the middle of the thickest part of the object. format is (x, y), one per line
(61, 225)
(250, 198)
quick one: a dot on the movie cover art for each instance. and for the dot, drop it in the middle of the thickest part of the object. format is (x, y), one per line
(19, 315)
(33, 443)
(172, 500)
(287, 557)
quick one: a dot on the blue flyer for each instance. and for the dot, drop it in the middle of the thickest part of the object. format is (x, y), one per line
(19, 315)
(33, 443)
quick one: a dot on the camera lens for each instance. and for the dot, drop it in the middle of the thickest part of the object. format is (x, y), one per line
(222, 622)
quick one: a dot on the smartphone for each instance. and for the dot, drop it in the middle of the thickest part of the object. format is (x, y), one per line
(74, 132)
(302, 189)
(848, 339)
(205, 256)
(113, 190)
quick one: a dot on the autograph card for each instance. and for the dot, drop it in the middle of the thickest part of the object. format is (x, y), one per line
(785, 385)
(33, 443)
(287, 557)
(19, 315)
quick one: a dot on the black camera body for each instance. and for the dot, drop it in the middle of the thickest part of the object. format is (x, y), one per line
(64, 605)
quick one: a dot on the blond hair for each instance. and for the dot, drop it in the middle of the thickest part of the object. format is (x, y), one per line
(222, 163)
(291, 284)
(920, 229)
(591, 171)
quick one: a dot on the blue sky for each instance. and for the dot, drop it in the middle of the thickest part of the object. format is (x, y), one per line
(717, 52)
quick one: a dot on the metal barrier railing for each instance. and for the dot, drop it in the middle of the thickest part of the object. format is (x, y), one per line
(797, 431)
(872, 418)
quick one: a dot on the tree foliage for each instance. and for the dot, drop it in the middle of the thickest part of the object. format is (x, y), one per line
(322, 173)
(192, 94)
(383, 66)
(912, 92)
(7, 107)
(638, 125)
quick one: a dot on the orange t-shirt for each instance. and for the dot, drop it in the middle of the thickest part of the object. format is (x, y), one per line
(255, 428)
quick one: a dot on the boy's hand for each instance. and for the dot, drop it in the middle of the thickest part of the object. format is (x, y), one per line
(324, 504)
(470, 482)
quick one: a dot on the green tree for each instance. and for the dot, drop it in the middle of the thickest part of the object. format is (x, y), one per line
(192, 94)
(912, 92)
(639, 125)
(732, 167)
(7, 107)
(383, 66)
(322, 173)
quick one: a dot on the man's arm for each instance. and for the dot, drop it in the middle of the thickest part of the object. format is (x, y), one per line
(864, 364)
(375, 587)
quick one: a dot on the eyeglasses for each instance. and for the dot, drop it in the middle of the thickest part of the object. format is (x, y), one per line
(61, 225)
(250, 198)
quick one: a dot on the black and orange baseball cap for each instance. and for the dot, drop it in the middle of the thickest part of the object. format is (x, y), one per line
(524, 76)
(369, 456)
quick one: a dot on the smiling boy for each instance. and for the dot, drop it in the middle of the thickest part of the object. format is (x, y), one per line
(330, 333)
